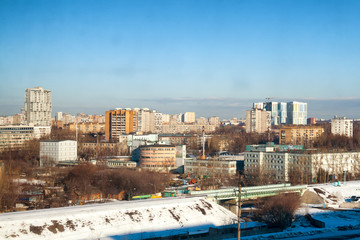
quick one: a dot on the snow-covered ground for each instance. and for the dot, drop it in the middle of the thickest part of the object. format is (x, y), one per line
(333, 195)
(117, 220)
(338, 221)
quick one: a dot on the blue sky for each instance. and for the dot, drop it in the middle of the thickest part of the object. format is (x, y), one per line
(212, 57)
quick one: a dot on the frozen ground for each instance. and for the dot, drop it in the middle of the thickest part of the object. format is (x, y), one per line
(334, 196)
(116, 220)
(340, 223)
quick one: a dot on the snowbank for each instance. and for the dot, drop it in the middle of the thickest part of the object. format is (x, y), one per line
(120, 220)
(334, 196)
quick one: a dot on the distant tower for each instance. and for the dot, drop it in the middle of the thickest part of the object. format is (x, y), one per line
(297, 113)
(258, 120)
(38, 106)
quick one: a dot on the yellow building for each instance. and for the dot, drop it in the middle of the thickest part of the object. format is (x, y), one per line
(299, 135)
(157, 157)
(118, 122)
(88, 127)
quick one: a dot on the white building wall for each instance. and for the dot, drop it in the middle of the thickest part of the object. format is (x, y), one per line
(57, 151)
(342, 126)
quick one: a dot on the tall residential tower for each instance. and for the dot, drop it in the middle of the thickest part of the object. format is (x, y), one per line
(38, 106)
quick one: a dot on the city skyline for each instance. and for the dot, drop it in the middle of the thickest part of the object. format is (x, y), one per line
(210, 57)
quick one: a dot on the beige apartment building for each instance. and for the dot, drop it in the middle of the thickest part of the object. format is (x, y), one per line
(258, 121)
(157, 157)
(299, 135)
(88, 127)
(15, 136)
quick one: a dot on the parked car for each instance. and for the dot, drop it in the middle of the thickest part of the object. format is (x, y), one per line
(354, 198)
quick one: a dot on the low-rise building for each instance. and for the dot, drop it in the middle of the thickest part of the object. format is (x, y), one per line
(54, 152)
(282, 162)
(157, 157)
(15, 136)
(120, 162)
(210, 167)
(299, 135)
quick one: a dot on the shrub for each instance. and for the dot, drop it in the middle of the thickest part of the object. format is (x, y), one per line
(278, 211)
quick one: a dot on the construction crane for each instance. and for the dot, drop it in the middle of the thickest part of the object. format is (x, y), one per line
(268, 99)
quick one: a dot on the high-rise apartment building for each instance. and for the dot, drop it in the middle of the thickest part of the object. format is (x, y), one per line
(342, 126)
(148, 120)
(38, 106)
(258, 120)
(214, 121)
(59, 116)
(278, 111)
(188, 117)
(297, 113)
(120, 121)
(272, 107)
(285, 113)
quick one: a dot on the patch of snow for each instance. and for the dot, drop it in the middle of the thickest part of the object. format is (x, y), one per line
(121, 219)
(333, 195)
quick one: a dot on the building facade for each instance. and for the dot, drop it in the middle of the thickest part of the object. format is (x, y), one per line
(285, 113)
(54, 152)
(299, 135)
(258, 120)
(38, 106)
(15, 136)
(88, 127)
(119, 122)
(188, 117)
(157, 157)
(281, 164)
(297, 113)
(342, 126)
(210, 167)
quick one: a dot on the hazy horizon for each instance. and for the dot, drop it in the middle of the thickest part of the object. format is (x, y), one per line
(224, 108)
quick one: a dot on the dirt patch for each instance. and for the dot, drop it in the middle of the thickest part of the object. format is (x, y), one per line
(332, 197)
(319, 191)
(107, 220)
(36, 229)
(55, 227)
(23, 231)
(206, 204)
(311, 198)
(176, 217)
(70, 225)
(197, 207)
(12, 235)
(350, 205)
(135, 215)
(151, 217)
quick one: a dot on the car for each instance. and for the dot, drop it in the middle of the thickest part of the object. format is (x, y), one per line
(354, 198)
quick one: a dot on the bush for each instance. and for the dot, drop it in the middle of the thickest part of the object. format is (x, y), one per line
(278, 211)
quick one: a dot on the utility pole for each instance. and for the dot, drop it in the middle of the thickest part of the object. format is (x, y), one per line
(203, 138)
(239, 210)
